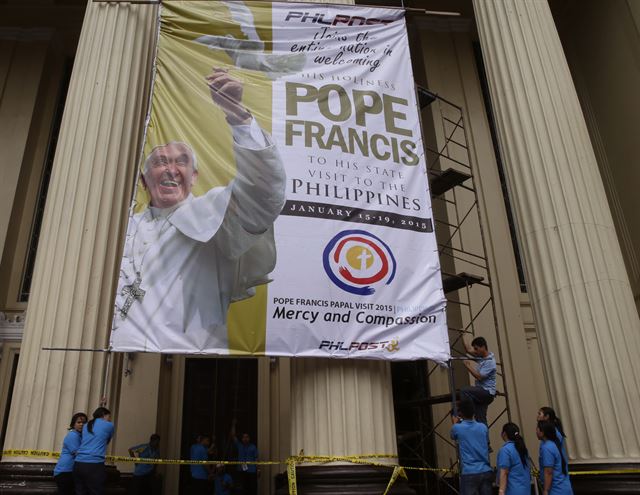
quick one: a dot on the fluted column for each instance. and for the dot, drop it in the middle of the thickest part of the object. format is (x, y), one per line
(93, 173)
(584, 308)
(342, 408)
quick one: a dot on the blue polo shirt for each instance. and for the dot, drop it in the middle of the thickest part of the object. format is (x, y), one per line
(145, 451)
(223, 484)
(247, 453)
(473, 443)
(199, 453)
(550, 456)
(487, 370)
(519, 477)
(68, 453)
(93, 447)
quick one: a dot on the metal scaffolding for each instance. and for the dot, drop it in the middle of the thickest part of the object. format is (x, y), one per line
(424, 391)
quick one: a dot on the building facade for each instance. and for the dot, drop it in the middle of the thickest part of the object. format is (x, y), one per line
(547, 95)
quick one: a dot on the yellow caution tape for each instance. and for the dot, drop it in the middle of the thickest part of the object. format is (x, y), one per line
(137, 460)
(397, 471)
(615, 471)
(31, 453)
(362, 459)
(291, 462)
(291, 476)
(354, 459)
(536, 473)
(430, 470)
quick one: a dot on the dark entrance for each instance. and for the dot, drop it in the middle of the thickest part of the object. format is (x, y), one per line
(12, 380)
(217, 391)
(414, 421)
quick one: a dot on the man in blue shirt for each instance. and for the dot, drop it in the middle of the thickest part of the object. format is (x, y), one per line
(247, 453)
(144, 480)
(484, 371)
(200, 472)
(223, 482)
(473, 445)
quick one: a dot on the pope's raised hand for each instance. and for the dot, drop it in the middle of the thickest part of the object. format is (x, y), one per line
(226, 92)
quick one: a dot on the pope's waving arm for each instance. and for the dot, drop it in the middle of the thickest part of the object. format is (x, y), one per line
(258, 191)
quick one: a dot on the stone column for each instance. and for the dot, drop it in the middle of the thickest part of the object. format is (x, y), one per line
(93, 174)
(587, 320)
(343, 408)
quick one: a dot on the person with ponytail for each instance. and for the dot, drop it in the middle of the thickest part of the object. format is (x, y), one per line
(63, 472)
(514, 473)
(89, 472)
(554, 472)
(548, 414)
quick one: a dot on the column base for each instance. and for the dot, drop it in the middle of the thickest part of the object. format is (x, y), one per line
(343, 480)
(26, 478)
(609, 483)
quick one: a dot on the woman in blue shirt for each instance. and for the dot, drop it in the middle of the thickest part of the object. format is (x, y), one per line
(89, 472)
(548, 414)
(514, 474)
(63, 472)
(554, 473)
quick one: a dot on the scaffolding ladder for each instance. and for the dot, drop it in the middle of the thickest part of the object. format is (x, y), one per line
(424, 390)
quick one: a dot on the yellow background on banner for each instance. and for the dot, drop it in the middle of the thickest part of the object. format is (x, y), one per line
(182, 110)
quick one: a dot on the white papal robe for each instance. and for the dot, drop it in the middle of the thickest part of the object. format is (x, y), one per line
(196, 258)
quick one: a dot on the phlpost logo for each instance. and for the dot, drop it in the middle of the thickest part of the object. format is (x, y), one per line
(337, 20)
(392, 345)
(358, 262)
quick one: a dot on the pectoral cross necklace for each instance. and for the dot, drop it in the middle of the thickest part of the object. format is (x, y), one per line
(133, 292)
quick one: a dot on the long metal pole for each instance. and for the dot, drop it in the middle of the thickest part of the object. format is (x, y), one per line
(436, 13)
(107, 374)
(452, 388)
(454, 410)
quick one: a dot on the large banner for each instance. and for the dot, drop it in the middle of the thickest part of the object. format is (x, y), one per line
(282, 205)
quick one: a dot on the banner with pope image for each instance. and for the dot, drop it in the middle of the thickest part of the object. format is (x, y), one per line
(282, 204)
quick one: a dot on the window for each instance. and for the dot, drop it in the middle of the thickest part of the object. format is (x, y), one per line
(30, 259)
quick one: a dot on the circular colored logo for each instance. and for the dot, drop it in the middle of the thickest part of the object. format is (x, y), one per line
(357, 261)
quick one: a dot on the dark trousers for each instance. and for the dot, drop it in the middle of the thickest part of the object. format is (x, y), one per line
(89, 478)
(249, 482)
(143, 485)
(481, 400)
(201, 487)
(64, 482)
(476, 484)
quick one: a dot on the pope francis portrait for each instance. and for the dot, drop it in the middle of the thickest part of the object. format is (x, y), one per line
(187, 258)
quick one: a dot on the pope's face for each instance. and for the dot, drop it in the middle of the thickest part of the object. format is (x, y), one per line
(169, 175)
